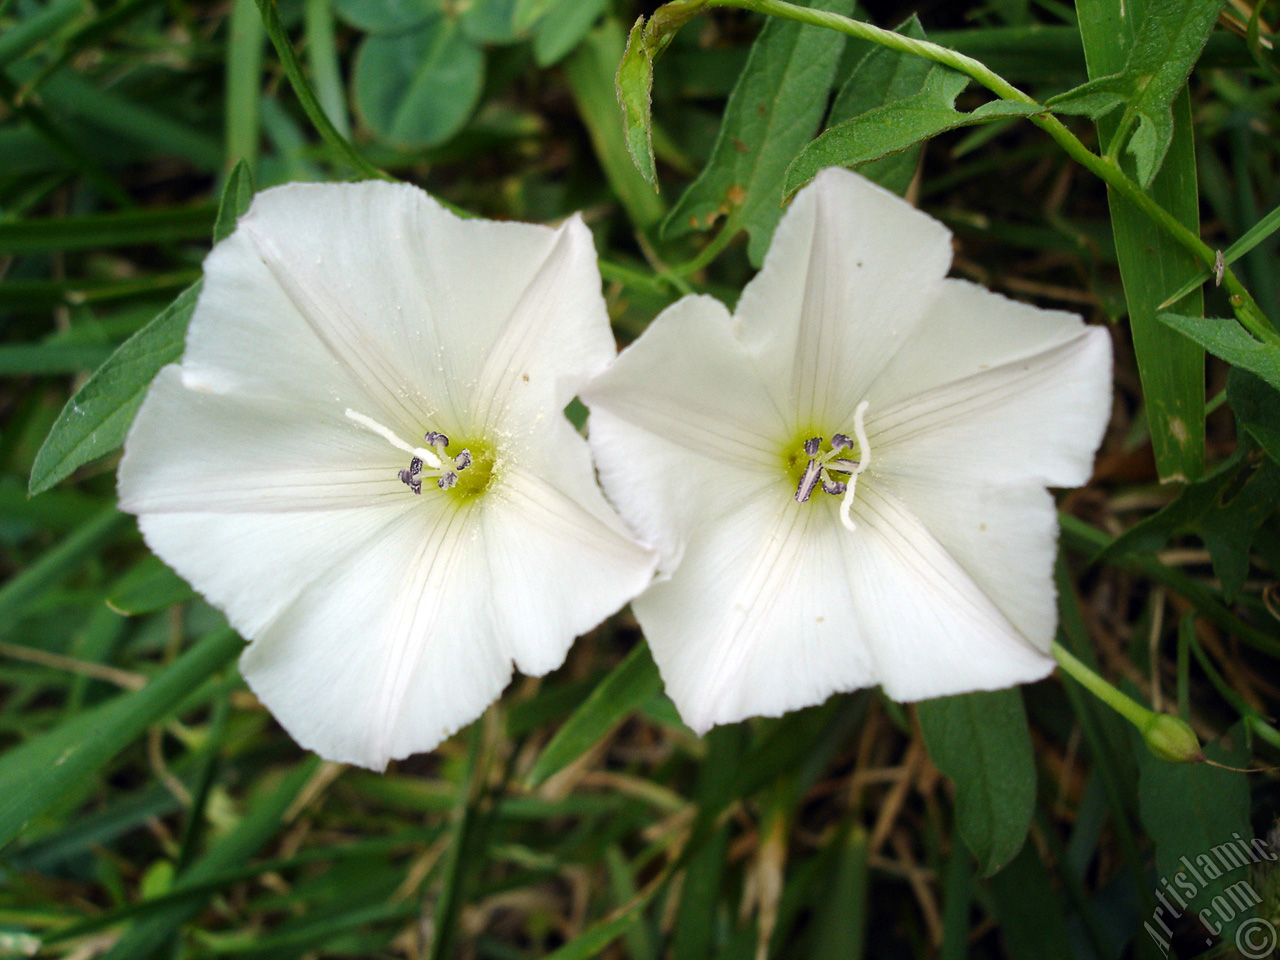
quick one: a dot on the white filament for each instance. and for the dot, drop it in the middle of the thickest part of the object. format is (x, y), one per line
(426, 456)
(864, 461)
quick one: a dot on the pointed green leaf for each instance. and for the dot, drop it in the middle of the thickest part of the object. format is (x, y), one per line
(774, 109)
(1233, 343)
(1257, 409)
(95, 420)
(897, 126)
(237, 194)
(882, 77)
(148, 587)
(592, 71)
(630, 684)
(635, 84)
(1167, 45)
(981, 741)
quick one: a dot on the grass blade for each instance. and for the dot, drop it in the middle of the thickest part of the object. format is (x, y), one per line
(302, 89)
(1151, 263)
(628, 685)
(37, 774)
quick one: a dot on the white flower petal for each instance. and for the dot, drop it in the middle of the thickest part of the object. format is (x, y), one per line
(689, 380)
(932, 630)
(965, 331)
(560, 559)
(681, 424)
(759, 617)
(1036, 418)
(392, 649)
(372, 294)
(849, 274)
(190, 450)
(1005, 537)
(336, 326)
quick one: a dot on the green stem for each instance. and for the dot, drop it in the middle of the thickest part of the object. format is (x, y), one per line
(711, 250)
(1106, 169)
(1166, 736)
(1121, 703)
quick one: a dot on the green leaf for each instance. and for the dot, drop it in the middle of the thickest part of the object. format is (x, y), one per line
(1225, 509)
(881, 77)
(19, 358)
(981, 741)
(97, 417)
(387, 16)
(635, 87)
(39, 772)
(1151, 262)
(840, 923)
(1257, 409)
(774, 109)
(898, 126)
(237, 194)
(591, 72)
(1030, 913)
(1166, 47)
(491, 22)
(1230, 341)
(148, 587)
(55, 564)
(529, 12)
(634, 81)
(418, 89)
(563, 28)
(1194, 812)
(627, 686)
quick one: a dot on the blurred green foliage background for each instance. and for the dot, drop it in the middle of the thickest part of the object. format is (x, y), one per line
(150, 807)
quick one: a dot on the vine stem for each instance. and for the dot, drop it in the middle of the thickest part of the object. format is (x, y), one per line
(1166, 736)
(1105, 168)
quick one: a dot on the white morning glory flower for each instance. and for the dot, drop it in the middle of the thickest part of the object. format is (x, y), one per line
(363, 460)
(846, 478)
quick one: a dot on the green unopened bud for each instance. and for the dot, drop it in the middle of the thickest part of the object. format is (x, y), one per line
(1172, 739)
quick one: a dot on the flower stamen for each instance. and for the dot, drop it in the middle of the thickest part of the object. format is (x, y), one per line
(436, 463)
(864, 461)
(834, 473)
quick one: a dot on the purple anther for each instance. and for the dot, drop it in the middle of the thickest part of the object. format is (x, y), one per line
(835, 487)
(462, 460)
(812, 446)
(840, 442)
(804, 489)
(436, 440)
(448, 481)
(843, 466)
